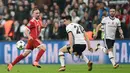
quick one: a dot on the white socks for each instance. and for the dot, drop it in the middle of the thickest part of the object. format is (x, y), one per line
(110, 54)
(102, 48)
(111, 57)
(62, 58)
(85, 58)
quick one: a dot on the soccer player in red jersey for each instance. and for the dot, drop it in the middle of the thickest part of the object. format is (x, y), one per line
(32, 32)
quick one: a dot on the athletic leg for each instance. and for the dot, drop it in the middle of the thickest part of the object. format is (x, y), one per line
(42, 49)
(19, 58)
(64, 49)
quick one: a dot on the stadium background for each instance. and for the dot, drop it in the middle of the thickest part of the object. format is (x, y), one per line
(15, 14)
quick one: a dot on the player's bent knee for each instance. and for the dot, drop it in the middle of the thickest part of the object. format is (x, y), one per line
(61, 53)
(42, 47)
(63, 49)
(26, 52)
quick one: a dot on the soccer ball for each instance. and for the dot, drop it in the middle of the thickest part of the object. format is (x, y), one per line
(20, 44)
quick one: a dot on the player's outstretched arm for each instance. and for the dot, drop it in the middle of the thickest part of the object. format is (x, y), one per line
(27, 33)
(97, 29)
(70, 40)
(88, 42)
(121, 33)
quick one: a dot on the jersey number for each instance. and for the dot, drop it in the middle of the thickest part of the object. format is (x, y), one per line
(79, 29)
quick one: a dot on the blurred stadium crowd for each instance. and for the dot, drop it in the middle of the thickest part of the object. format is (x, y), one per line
(15, 14)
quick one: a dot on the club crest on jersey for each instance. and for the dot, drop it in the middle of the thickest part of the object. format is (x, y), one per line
(112, 22)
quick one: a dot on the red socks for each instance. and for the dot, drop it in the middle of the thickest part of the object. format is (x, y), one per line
(20, 57)
(39, 55)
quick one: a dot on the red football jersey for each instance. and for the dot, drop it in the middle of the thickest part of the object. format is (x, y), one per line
(35, 27)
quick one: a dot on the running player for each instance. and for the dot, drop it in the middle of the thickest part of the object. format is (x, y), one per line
(77, 43)
(110, 24)
(32, 32)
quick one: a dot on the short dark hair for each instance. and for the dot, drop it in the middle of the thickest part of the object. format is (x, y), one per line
(34, 9)
(68, 17)
(112, 8)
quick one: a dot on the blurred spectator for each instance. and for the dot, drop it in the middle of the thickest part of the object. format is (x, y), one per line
(56, 16)
(62, 31)
(118, 14)
(51, 15)
(87, 24)
(75, 18)
(56, 8)
(9, 29)
(47, 32)
(67, 9)
(27, 8)
(91, 11)
(86, 12)
(55, 31)
(103, 8)
(16, 30)
(75, 8)
(90, 35)
(125, 21)
(62, 28)
(83, 7)
(96, 20)
(22, 29)
(45, 12)
(125, 17)
(2, 7)
(20, 14)
(62, 4)
(2, 31)
(6, 14)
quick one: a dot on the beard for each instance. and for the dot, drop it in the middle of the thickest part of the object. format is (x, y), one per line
(112, 15)
(37, 17)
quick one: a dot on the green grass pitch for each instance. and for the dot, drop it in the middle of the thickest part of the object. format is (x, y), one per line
(70, 68)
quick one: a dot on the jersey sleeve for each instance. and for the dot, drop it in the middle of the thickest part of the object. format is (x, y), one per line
(30, 25)
(118, 23)
(68, 29)
(103, 21)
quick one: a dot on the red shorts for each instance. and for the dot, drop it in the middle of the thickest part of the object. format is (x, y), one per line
(31, 44)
